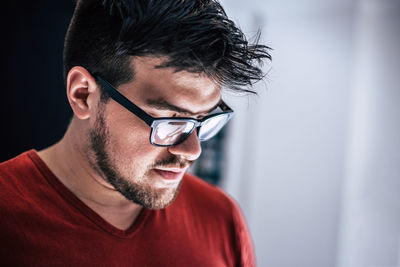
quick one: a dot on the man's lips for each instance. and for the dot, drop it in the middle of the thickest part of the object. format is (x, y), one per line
(170, 173)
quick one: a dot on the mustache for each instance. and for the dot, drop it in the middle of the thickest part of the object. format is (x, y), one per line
(173, 161)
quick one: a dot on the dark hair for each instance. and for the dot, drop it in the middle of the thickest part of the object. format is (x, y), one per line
(195, 35)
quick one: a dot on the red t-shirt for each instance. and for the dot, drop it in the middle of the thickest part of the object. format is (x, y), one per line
(42, 223)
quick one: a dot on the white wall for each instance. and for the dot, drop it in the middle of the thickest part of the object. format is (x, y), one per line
(370, 225)
(289, 153)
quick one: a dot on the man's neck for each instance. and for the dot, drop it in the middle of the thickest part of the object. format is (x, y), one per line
(67, 160)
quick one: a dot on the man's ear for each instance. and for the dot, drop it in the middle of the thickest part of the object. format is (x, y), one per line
(81, 92)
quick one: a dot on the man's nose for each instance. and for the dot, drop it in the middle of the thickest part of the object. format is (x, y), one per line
(189, 149)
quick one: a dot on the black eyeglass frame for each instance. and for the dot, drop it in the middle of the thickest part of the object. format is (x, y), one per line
(154, 122)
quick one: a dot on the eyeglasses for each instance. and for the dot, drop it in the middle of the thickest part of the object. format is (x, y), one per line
(171, 131)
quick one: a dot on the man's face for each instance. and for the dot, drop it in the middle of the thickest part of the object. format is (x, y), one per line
(118, 141)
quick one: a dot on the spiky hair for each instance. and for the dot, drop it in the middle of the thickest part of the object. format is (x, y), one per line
(194, 35)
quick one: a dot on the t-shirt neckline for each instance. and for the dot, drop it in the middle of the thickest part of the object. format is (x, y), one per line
(73, 200)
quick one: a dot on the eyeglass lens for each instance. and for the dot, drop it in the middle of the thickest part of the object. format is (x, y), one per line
(173, 132)
(211, 127)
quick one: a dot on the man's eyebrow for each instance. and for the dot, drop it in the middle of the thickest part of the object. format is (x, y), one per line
(164, 105)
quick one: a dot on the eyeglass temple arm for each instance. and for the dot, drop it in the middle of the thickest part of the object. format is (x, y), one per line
(224, 106)
(121, 99)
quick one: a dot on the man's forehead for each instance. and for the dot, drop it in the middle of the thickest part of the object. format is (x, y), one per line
(182, 91)
(151, 67)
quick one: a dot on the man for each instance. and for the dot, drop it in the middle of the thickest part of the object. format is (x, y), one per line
(143, 79)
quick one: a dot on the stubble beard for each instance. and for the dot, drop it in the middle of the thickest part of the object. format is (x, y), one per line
(142, 193)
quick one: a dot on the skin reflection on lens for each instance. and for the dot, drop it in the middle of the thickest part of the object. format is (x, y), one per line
(170, 132)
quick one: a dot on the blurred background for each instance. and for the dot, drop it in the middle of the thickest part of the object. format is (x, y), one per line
(313, 161)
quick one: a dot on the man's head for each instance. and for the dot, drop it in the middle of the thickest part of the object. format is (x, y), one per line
(169, 57)
(194, 35)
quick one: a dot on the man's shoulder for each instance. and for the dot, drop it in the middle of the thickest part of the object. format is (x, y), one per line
(16, 177)
(16, 166)
(200, 194)
(199, 186)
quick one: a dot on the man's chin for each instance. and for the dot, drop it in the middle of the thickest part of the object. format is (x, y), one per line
(151, 198)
